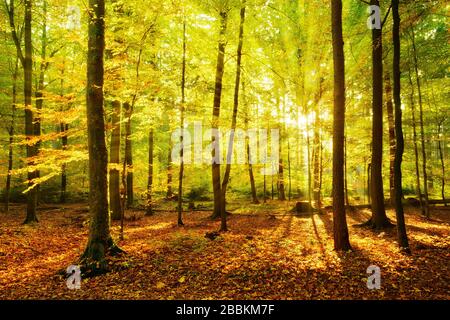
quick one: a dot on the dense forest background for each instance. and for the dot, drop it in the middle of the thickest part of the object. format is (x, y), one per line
(287, 81)
(146, 69)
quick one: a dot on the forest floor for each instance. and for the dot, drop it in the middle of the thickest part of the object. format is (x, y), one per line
(263, 256)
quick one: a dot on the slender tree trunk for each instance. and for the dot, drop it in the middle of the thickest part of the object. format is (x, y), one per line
(182, 107)
(379, 219)
(289, 170)
(441, 157)
(249, 151)
(422, 131)
(29, 117)
(129, 153)
(347, 202)
(316, 150)
(416, 148)
(114, 160)
(215, 118)
(392, 141)
(27, 64)
(226, 178)
(340, 230)
(169, 192)
(39, 94)
(11, 135)
(100, 242)
(63, 128)
(280, 184)
(401, 228)
(149, 208)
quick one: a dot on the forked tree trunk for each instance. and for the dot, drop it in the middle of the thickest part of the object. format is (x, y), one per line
(340, 230)
(100, 243)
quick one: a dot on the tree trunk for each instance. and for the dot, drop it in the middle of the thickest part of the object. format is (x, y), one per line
(11, 135)
(441, 157)
(114, 160)
(169, 192)
(29, 117)
(215, 167)
(379, 219)
(392, 141)
(100, 242)
(317, 151)
(226, 178)
(149, 208)
(347, 202)
(422, 131)
(249, 152)
(64, 127)
(340, 230)
(401, 228)
(27, 64)
(416, 148)
(129, 154)
(182, 106)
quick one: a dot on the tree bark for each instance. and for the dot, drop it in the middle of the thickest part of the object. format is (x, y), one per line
(169, 192)
(149, 208)
(399, 148)
(11, 135)
(248, 150)
(340, 230)
(114, 160)
(422, 131)
(223, 225)
(100, 242)
(215, 167)
(182, 107)
(441, 157)
(129, 153)
(379, 219)
(392, 141)
(26, 60)
(416, 148)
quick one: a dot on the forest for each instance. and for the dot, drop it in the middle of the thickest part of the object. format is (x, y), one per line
(224, 149)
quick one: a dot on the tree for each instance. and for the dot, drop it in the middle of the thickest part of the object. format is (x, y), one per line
(392, 141)
(422, 131)
(340, 230)
(26, 59)
(114, 159)
(11, 134)
(399, 148)
(128, 109)
(100, 242)
(379, 219)
(215, 141)
(182, 107)
(223, 226)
